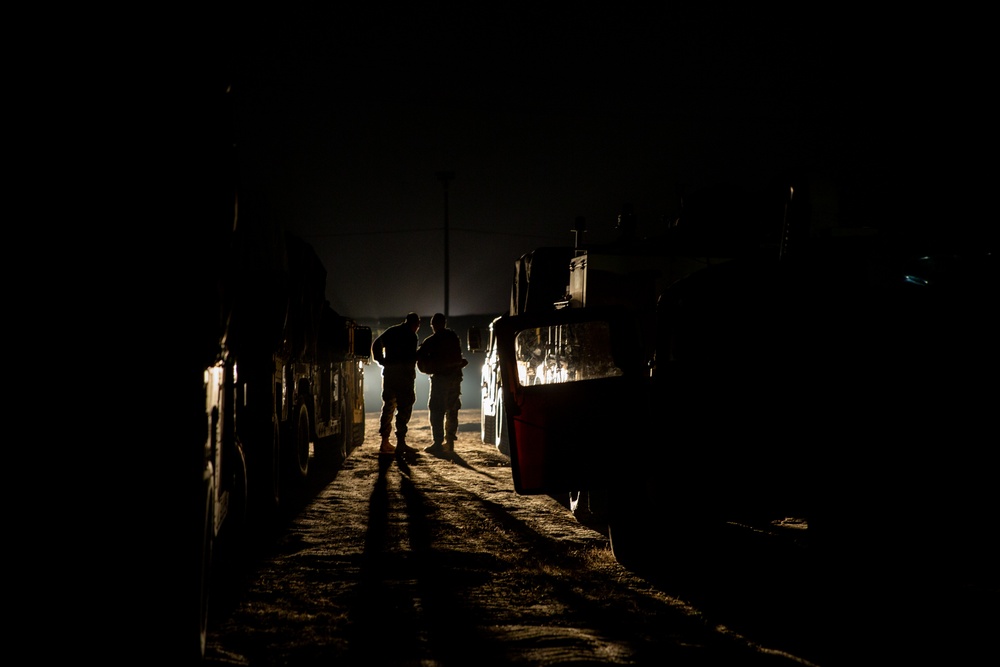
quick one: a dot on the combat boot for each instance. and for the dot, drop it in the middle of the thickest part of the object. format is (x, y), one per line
(386, 447)
(403, 449)
(437, 449)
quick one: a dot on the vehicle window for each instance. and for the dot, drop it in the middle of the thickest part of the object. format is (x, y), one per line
(565, 353)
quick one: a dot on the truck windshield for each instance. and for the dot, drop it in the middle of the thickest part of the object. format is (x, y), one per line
(565, 353)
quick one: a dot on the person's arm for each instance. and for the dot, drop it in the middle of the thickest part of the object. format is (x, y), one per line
(378, 351)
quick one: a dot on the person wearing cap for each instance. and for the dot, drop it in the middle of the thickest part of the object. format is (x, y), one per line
(440, 357)
(395, 350)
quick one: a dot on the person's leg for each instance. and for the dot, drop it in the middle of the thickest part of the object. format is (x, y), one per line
(385, 418)
(451, 426)
(453, 403)
(436, 410)
(405, 398)
(437, 427)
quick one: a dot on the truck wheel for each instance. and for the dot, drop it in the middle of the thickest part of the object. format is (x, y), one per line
(629, 539)
(206, 549)
(274, 492)
(238, 508)
(501, 439)
(487, 431)
(262, 449)
(332, 449)
(298, 449)
(346, 436)
(589, 509)
(681, 537)
(640, 522)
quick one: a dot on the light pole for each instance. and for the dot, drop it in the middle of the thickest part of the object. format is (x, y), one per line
(445, 177)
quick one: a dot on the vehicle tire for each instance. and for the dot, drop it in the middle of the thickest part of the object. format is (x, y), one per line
(501, 438)
(206, 549)
(488, 425)
(646, 528)
(262, 455)
(238, 513)
(332, 450)
(346, 437)
(297, 451)
(274, 493)
(357, 434)
(629, 537)
(590, 509)
(649, 535)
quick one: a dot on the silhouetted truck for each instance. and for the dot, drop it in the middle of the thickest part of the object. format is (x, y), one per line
(258, 382)
(827, 379)
(283, 392)
(630, 271)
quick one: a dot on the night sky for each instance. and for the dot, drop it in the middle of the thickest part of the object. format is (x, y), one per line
(344, 120)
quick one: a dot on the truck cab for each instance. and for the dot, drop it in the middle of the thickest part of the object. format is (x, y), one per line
(806, 386)
(539, 284)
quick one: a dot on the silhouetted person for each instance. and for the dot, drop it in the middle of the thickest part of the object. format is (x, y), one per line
(395, 350)
(440, 356)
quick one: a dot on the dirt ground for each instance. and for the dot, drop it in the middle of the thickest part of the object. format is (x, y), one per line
(440, 562)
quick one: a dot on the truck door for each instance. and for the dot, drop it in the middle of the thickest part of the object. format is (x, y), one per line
(572, 380)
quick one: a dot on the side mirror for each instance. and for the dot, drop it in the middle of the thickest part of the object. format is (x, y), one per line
(475, 340)
(362, 342)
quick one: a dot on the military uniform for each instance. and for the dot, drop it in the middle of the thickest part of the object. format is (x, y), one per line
(440, 356)
(396, 351)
